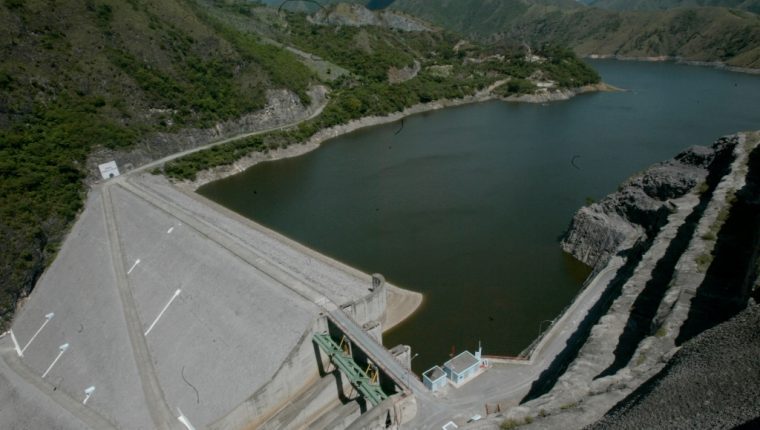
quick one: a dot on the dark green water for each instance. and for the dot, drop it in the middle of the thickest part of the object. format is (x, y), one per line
(467, 204)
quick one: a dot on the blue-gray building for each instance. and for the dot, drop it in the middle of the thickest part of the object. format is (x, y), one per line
(434, 378)
(462, 366)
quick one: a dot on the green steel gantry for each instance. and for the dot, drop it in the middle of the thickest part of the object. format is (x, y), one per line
(366, 385)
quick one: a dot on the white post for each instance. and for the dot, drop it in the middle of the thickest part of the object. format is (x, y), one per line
(15, 344)
(87, 393)
(176, 293)
(48, 317)
(183, 419)
(61, 350)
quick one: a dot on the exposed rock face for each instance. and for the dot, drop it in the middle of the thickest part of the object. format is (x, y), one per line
(396, 75)
(712, 382)
(283, 107)
(693, 272)
(638, 207)
(354, 15)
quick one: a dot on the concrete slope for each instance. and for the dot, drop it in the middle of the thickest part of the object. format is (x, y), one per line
(168, 304)
(80, 289)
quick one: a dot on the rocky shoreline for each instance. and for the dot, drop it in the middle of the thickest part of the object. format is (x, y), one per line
(684, 235)
(638, 208)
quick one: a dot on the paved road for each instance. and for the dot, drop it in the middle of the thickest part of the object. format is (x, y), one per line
(181, 154)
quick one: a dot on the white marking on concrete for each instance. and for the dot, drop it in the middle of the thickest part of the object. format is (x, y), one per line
(183, 419)
(170, 230)
(176, 293)
(133, 266)
(87, 393)
(61, 350)
(48, 317)
(15, 344)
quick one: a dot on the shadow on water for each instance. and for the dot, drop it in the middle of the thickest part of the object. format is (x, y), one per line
(548, 377)
(725, 289)
(644, 309)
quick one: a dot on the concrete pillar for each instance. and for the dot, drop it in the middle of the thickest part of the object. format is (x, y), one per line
(378, 281)
(402, 353)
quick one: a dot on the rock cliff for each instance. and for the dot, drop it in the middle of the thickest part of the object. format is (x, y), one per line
(638, 207)
(354, 15)
(672, 341)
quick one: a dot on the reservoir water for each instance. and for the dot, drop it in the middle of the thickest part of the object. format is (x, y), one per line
(466, 205)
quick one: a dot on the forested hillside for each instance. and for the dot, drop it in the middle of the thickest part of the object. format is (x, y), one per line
(748, 5)
(75, 75)
(708, 34)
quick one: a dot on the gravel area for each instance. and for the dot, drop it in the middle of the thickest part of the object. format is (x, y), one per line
(712, 382)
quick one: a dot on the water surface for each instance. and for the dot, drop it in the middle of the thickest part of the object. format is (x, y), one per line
(467, 204)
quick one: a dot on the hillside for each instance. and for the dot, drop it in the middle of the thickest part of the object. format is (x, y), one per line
(697, 33)
(79, 75)
(109, 76)
(748, 5)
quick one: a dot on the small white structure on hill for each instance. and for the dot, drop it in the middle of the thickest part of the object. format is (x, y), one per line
(109, 170)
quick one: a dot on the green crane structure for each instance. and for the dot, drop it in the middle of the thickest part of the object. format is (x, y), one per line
(366, 384)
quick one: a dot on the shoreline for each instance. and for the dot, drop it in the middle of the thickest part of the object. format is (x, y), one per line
(220, 172)
(678, 60)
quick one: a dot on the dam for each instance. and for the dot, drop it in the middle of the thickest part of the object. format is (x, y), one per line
(166, 310)
(165, 300)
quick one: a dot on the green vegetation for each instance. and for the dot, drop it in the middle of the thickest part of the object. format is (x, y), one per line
(76, 76)
(748, 5)
(694, 33)
(510, 424)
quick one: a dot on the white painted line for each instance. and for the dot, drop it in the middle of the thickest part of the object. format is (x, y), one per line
(133, 266)
(170, 230)
(61, 350)
(48, 317)
(15, 344)
(176, 293)
(183, 419)
(87, 393)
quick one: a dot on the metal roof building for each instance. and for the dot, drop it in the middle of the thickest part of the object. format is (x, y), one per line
(461, 367)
